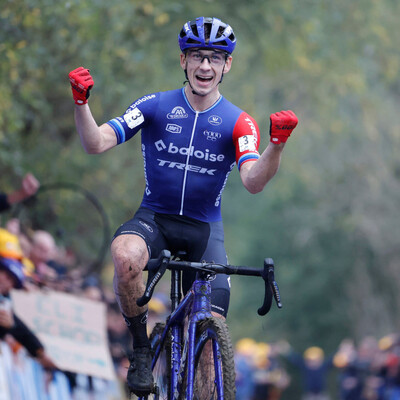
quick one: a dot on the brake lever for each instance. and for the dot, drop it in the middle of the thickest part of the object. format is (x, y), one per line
(275, 288)
(271, 287)
(156, 270)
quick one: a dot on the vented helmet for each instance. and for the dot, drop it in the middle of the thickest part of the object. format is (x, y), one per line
(207, 33)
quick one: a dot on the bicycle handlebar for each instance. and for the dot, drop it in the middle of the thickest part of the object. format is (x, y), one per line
(156, 269)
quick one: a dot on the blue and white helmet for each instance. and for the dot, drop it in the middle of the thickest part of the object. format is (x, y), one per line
(207, 33)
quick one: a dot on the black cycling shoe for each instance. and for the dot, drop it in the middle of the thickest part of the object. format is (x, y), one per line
(139, 377)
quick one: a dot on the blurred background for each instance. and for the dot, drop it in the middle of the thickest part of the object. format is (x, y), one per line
(329, 219)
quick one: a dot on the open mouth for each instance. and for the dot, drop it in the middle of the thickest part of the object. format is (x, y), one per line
(204, 78)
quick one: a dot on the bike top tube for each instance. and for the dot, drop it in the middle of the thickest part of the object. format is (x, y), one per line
(157, 267)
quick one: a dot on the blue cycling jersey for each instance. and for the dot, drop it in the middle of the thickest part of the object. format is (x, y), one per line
(188, 154)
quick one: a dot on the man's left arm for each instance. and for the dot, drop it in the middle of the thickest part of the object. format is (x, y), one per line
(255, 174)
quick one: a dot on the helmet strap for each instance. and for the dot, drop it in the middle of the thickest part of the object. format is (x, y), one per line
(187, 80)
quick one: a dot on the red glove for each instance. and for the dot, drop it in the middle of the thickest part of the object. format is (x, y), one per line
(81, 83)
(281, 125)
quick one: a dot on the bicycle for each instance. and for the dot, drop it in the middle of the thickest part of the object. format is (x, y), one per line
(183, 351)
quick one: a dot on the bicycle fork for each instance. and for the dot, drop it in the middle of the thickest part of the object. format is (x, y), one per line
(201, 309)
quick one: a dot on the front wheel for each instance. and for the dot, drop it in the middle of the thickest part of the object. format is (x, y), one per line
(214, 367)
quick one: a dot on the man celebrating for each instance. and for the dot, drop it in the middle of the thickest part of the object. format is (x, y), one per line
(191, 139)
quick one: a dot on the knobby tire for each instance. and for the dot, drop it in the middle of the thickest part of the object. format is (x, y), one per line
(207, 331)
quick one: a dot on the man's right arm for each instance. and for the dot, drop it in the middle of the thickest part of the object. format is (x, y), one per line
(95, 139)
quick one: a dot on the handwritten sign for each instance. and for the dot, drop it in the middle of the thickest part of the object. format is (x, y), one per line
(72, 330)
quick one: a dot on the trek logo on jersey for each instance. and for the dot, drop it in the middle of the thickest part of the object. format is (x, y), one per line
(173, 128)
(215, 120)
(187, 167)
(202, 155)
(213, 136)
(177, 113)
(133, 118)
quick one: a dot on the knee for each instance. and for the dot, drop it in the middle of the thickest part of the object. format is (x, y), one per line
(130, 256)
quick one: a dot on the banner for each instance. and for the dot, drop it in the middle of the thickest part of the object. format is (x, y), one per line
(72, 330)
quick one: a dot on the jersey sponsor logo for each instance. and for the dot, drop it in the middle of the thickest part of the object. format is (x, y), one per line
(142, 100)
(160, 145)
(177, 113)
(187, 167)
(218, 199)
(173, 128)
(146, 225)
(133, 118)
(252, 127)
(203, 155)
(247, 143)
(147, 189)
(213, 136)
(215, 120)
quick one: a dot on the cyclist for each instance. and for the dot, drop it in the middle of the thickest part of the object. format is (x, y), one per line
(191, 139)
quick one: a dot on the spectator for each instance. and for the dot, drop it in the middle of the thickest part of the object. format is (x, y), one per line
(244, 351)
(43, 252)
(13, 226)
(390, 347)
(372, 359)
(29, 186)
(314, 368)
(91, 288)
(10, 247)
(279, 379)
(269, 377)
(12, 276)
(350, 383)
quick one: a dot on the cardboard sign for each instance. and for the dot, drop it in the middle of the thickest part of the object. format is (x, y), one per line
(72, 330)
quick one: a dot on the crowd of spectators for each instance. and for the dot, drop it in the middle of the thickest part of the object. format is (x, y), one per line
(40, 267)
(33, 261)
(367, 371)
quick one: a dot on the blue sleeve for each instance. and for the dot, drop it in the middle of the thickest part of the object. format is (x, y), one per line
(136, 116)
